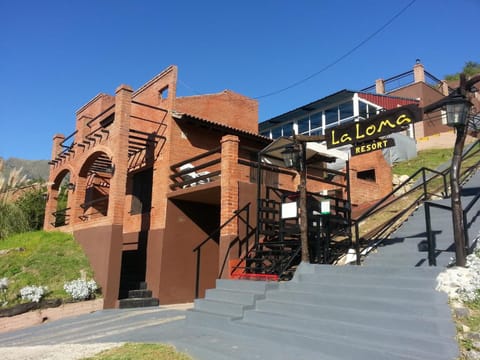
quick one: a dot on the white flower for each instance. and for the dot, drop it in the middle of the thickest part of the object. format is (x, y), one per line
(3, 283)
(80, 289)
(33, 293)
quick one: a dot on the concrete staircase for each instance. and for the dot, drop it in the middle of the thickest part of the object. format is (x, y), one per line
(330, 312)
(387, 308)
(141, 297)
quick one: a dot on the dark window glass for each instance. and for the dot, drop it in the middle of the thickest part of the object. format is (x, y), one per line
(303, 125)
(331, 116)
(368, 175)
(346, 110)
(288, 130)
(276, 132)
(315, 120)
(363, 110)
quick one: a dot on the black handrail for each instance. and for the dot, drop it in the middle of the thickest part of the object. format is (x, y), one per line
(198, 248)
(431, 243)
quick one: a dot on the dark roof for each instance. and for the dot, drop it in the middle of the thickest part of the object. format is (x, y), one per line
(225, 129)
(385, 101)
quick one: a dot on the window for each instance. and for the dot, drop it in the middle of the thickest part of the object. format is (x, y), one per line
(331, 116)
(142, 192)
(287, 130)
(346, 110)
(303, 126)
(368, 175)
(276, 132)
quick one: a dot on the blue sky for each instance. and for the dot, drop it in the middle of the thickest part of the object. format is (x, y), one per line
(57, 55)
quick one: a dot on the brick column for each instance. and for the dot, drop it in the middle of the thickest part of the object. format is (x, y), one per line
(380, 86)
(119, 146)
(418, 73)
(118, 184)
(51, 203)
(229, 194)
(57, 147)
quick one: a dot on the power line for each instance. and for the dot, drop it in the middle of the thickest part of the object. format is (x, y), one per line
(336, 61)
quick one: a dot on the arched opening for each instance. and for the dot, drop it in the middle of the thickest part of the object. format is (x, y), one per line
(61, 191)
(93, 187)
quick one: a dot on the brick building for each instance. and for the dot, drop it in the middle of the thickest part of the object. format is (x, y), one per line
(150, 177)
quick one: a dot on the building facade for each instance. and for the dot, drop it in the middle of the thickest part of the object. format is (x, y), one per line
(148, 183)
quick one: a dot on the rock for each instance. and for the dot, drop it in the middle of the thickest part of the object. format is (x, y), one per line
(461, 313)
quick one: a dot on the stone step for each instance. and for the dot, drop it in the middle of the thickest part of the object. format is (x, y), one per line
(403, 322)
(363, 303)
(337, 347)
(229, 309)
(246, 285)
(139, 293)
(233, 296)
(359, 278)
(419, 344)
(137, 302)
(387, 292)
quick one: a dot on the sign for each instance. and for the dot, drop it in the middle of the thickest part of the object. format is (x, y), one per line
(289, 210)
(385, 123)
(366, 147)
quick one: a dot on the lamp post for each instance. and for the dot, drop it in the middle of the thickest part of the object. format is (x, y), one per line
(294, 156)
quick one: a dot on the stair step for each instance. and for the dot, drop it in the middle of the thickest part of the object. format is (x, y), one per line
(419, 344)
(360, 278)
(246, 285)
(233, 296)
(337, 347)
(229, 309)
(403, 322)
(362, 303)
(138, 302)
(366, 291)
(139, 293)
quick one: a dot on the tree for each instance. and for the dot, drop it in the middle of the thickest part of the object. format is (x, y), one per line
(471, 68)
(32, 203)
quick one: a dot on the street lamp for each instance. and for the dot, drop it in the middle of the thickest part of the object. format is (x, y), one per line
(294, 156)
(457, 106)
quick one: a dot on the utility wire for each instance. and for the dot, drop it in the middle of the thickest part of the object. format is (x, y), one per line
(336, 61)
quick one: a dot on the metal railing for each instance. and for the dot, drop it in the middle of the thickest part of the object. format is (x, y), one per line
(214, 236)
(377, 235)
(62, 217)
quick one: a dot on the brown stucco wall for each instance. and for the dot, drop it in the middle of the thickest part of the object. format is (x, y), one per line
(103, 247)
(171, 262)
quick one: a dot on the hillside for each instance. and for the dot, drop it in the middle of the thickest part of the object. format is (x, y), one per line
(33, 169)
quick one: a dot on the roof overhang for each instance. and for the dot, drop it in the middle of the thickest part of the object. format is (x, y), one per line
(272, 154)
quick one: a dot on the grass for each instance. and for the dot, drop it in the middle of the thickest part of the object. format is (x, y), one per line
(426, 158)
(43, 259)
(132, 351)
(472, 322)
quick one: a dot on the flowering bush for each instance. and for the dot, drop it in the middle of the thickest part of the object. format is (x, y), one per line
(3, 284)
(462, 283)
(3, 291)
(33, 293)
(81, 289)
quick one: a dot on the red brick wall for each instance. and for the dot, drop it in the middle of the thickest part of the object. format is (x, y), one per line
(366, 190)
(227, 107)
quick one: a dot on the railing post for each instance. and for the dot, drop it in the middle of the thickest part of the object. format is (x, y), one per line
(424, 177)
(357, 243)
(432, 261)
(465, 231)
(197, 277)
